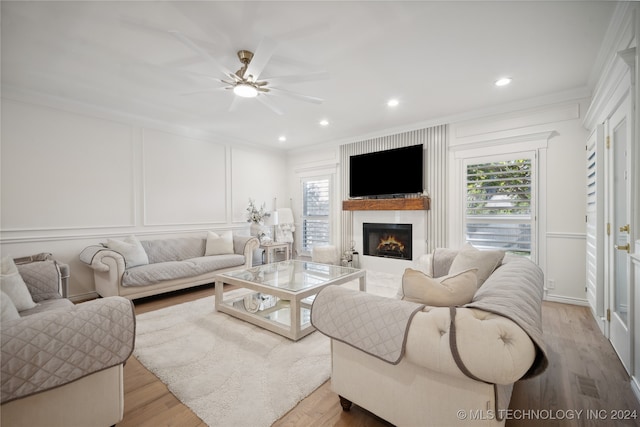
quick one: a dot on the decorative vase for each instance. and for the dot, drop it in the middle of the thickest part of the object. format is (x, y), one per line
(261, 231)
(255, 229)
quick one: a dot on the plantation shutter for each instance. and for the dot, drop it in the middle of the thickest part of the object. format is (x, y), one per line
(499, 204)
(315, 213)
(595, 221)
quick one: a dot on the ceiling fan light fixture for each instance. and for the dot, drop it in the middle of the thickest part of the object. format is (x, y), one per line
(245, 90)
(503, 81)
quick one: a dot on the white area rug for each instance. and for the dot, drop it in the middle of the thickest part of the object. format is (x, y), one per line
(229, 372)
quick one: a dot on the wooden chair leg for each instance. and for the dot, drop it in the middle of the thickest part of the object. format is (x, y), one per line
(345, 403)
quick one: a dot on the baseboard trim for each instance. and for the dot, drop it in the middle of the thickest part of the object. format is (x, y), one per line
(635, 387)
(567, 300)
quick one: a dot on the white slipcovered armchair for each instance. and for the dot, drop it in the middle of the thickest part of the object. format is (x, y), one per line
(62, 364)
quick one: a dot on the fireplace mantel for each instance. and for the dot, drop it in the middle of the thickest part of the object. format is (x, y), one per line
(412, 204)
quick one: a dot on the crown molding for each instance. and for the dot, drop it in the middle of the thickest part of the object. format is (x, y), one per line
(618, 25)
(572, 95)
(620, 35)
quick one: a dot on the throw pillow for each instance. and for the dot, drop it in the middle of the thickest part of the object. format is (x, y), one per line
(131, 249)
(8, 310)
(453, 290)
(470, 257)
(11, 283)
(219, 244)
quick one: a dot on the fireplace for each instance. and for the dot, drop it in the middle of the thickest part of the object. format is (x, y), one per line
(387, 240)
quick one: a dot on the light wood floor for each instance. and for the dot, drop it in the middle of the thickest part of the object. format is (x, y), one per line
(584, 374)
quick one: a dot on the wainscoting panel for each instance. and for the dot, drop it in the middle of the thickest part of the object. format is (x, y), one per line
(62, 170)
(257, 175)
(562, 284)
(184, 180)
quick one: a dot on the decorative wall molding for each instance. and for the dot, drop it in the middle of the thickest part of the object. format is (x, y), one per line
(619, 25)
(182, 178)
(620, 36)
(532, 141)
(7, 240)
(518, 120)
(560, 235)
(317, 169)
(68, 171)
(629, 57)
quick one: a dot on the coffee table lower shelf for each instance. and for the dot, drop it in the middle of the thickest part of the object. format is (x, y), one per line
(277, 318)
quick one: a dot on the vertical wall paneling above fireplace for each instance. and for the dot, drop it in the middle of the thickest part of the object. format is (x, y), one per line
(434, 140)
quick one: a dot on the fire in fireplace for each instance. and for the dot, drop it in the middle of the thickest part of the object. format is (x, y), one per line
(387, 240)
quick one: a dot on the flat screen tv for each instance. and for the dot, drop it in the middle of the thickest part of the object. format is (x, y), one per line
(387, 173)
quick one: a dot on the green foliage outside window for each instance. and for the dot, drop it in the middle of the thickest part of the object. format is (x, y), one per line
(499, 188)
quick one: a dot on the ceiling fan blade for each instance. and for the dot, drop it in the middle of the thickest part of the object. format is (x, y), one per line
(320, 75)
(200, 51)
(266, 101)
(234, 104)
(261, 57)
(306, 98)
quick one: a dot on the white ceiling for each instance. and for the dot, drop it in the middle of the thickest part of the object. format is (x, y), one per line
(439, 59)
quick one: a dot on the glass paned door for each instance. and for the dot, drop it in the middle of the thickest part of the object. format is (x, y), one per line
(619, 130)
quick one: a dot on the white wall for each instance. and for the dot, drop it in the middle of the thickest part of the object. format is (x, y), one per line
(71, 179)
(556, 133)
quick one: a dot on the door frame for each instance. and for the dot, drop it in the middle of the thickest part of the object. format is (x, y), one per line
(619, 333)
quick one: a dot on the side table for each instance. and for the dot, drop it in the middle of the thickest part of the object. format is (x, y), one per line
(270, 247)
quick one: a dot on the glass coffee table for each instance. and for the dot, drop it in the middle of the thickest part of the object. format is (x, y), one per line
(279, 295)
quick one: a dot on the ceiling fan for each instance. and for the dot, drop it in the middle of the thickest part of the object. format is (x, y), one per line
(245, 82)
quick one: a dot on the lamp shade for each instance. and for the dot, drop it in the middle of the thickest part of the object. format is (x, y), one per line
(285, 216)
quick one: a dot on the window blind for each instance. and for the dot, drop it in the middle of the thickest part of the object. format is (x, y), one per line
(315, 213)
(498, 211)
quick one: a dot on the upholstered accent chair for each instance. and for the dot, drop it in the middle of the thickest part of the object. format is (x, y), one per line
(62, 363)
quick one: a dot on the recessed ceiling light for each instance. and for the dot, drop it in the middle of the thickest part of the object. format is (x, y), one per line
(503, 81)
(324, 122)
(392, 103)
(282, 138)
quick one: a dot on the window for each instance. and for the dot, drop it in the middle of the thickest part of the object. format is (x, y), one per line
(315, 213)
(499, 210)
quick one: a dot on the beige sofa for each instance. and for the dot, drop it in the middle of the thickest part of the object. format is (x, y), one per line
(62, 364)
(173, 263)
(443, 372)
